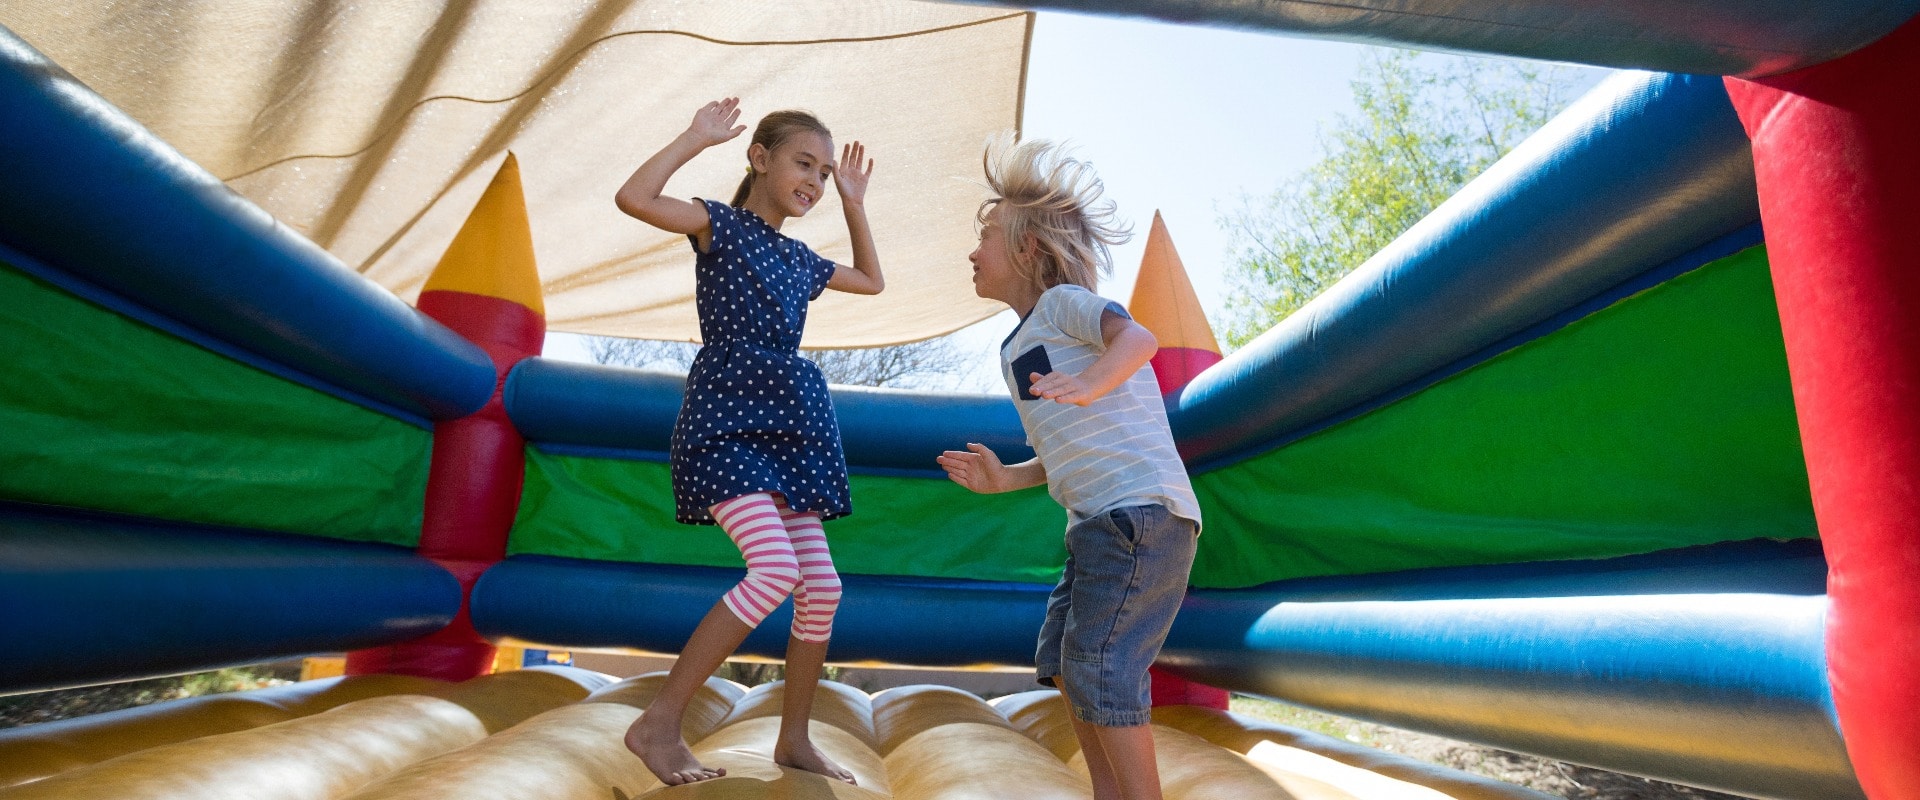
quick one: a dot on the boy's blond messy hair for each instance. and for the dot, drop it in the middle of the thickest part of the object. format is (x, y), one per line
(1052, 200)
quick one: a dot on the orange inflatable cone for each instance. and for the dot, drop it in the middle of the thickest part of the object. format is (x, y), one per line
(1164, 302)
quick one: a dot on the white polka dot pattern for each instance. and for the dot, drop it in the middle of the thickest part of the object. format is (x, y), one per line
(756, 416)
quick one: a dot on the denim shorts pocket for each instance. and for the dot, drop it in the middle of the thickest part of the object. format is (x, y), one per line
(1126, 525)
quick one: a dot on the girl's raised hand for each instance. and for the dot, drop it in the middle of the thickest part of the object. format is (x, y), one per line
(714, 122)
(851, 174)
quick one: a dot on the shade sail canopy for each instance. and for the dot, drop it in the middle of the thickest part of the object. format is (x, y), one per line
(372, 128)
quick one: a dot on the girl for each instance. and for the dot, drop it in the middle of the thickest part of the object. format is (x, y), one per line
(756, 448)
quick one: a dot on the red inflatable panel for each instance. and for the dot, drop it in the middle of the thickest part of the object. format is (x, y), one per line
(473, 488)
(1836, 150)
(1175, 367)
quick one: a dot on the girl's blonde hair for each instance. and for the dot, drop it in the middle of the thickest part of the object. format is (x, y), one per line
(1052, 200)
(774, 130)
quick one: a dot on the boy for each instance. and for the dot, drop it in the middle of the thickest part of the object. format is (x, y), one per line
(1077, 367)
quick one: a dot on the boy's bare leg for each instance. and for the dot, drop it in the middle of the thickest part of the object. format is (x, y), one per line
(795, 745)
(1119, 760)
(655, 736)
(1129, 753)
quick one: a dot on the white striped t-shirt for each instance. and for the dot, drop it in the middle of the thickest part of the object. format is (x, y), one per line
(1114, 452)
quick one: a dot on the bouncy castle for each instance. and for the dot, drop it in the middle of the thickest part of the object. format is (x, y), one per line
(1610, 459)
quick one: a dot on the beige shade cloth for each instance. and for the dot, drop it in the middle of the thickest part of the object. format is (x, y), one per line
(372, 128)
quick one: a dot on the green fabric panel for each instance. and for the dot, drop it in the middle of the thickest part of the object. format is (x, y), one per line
(617, 510)
(1662, 421)
(104, 412)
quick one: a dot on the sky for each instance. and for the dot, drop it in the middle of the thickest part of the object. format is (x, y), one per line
(1181, 119)
(1178, 119)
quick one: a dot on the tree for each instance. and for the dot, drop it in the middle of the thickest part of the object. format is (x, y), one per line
(930, 364)
(1422, 132)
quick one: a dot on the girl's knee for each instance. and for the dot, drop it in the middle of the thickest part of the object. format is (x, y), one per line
(814, 605)
(782, 578)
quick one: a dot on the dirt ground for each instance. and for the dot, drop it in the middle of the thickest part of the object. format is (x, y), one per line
(26, 709)
(1553, 777)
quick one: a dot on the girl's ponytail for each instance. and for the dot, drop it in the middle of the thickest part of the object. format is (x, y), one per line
(746, 185)
(774, 129)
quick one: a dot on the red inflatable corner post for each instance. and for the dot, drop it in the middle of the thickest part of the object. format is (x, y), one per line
(1164, 303)
(1836, 152)
(486, 289)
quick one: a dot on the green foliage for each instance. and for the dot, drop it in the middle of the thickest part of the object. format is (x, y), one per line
(1426, 126)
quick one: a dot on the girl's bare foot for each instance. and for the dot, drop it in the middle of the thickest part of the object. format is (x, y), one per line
(804, 755)
(666, 754)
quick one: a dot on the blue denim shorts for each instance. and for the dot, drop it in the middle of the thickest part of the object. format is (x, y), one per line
(1126, 575)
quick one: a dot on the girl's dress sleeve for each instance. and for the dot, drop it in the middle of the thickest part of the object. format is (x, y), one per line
(821, 269)
(720, 226)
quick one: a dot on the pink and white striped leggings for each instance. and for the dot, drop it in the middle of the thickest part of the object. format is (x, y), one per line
(786, 553)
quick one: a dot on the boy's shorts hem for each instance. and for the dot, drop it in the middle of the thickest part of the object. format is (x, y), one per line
(1125, 578)
(1113, 719)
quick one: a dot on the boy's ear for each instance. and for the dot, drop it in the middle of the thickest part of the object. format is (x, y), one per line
(1029, 247)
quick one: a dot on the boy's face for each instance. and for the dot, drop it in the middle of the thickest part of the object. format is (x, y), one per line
(993, 274)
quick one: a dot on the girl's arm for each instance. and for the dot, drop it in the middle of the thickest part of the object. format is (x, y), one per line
(979, 468)
(850, 177)
(640, 197)
(1129, 346)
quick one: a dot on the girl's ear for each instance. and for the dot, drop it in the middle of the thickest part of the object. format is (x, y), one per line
(757, 156)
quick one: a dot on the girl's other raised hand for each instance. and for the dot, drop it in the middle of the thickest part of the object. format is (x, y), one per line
(714, 122)
(851, 174)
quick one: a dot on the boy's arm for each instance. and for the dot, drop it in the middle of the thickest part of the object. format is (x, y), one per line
(1129, 346)
(640, 196)
(979, 468)
(850, 178)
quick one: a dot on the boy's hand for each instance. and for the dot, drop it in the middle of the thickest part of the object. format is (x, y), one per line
(714, 122)
(978, 468)
(851, 174)
(1063, 388)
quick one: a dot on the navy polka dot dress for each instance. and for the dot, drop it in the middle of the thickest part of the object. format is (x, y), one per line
(756, 417)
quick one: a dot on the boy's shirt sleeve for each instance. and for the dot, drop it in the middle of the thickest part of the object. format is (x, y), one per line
(1078, 312)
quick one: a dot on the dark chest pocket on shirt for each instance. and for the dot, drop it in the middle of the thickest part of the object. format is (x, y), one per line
(1026, 365)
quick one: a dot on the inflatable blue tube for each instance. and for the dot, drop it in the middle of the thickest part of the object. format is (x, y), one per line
(85, 190)
(92, 598)
(917, 621)
(655, 606)
(1750, 38)
(1722, 691)
(1641, 171)
(618, 412)
(560, 405)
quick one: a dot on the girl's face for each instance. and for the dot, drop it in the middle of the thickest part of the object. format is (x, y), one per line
(993, 275)
(793, 176)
